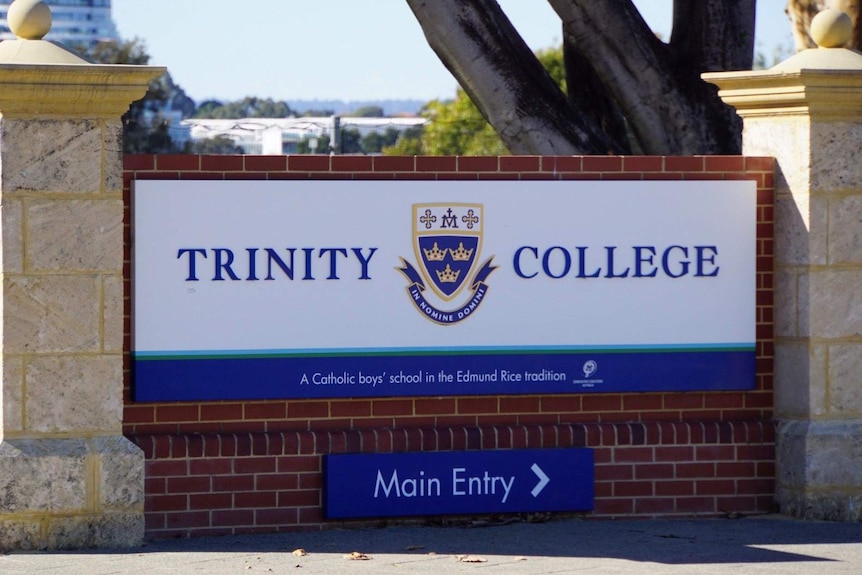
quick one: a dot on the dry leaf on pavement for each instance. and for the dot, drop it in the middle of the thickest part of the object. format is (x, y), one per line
(470, 559)
(357, 556)
(300, 552)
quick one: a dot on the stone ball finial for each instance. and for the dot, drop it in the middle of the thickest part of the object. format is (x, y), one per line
(831, 28)
(29, 19)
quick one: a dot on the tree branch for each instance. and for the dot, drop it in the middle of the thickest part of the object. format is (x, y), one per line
(669, 108)
(588, 95)
(714, 35)
(627, 58)
(479, 45)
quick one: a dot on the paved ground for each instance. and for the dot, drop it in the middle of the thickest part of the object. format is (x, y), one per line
(760, 545)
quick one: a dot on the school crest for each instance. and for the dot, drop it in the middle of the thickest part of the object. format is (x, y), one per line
(447, 243)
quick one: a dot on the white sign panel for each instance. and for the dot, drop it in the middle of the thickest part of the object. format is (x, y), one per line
(266, 289)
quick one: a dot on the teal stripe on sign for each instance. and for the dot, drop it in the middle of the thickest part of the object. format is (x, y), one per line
(439, 351)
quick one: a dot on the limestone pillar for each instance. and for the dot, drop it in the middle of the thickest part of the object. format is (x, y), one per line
(807, 113)
(68, 478)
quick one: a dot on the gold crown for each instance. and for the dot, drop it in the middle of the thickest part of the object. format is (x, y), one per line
(435, 254)
(461, 255)
(448, 276)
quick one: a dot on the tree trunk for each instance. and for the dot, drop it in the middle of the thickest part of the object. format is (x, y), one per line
(482, 49)
(657, 86)
(589, 96)
(629, 91)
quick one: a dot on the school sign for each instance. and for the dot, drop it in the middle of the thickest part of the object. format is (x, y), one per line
(313, 289)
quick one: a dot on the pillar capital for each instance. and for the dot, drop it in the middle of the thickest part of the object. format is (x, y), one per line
(40, 78)
(822, 94)
(72, 91)
(823, 83)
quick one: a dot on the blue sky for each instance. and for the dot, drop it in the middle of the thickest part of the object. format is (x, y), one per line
(333, 49)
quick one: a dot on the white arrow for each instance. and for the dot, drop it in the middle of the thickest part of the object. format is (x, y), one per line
(543, 480)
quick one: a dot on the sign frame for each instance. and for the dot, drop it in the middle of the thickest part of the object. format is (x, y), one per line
(662, 274)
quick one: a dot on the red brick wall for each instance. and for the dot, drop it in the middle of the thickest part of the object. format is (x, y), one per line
(251, 466)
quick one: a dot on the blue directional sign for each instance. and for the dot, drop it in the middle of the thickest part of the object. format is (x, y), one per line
(458, 482)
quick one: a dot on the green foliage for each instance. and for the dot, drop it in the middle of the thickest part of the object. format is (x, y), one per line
(322, 113)
(248, 107)
(353, 142)
(350, 138)
(304, 147)
(145, 129)
(409, 143)
(130, 52)
(552, 60)
(216, 145)
(205, 109)
(369, 112)
(780, 53)
(375, 142)
(456, 127)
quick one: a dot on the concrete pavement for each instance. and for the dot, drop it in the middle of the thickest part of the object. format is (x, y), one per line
(759, 545)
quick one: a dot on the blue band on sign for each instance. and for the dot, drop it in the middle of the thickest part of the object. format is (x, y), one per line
(274, 375)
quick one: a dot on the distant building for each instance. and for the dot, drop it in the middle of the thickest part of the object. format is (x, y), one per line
(273, 136)
(75, 22)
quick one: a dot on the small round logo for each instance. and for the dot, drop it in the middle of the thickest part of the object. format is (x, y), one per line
(590, 368)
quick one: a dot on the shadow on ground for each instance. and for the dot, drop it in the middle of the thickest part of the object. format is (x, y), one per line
(716, 541)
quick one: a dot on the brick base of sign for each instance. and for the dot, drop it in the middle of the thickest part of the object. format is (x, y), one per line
(228, 483)
(256, 466)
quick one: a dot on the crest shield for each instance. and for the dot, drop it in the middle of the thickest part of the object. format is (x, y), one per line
(447, 239)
